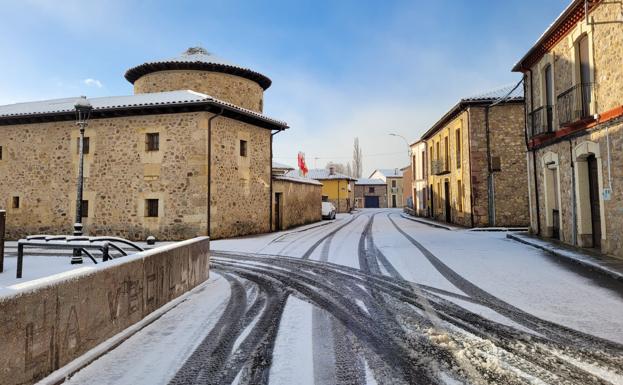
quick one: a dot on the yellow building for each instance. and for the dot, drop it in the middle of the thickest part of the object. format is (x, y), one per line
(337, 188)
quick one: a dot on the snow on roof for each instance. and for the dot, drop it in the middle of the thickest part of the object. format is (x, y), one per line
(169, 98)
(297, 179)
(197, 58)
(282, 166)
(498, 94)
(321, 173)
(390, 172)
(370, 182)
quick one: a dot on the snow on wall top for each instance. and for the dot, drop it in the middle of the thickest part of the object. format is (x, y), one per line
(370, 182)
(168, 98)
(297, 179)
(320, 173)
(197, 58)
(282, 166)
(390, 172)
(517, 94)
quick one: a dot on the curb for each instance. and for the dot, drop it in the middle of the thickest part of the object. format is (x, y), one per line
(585, 263)
(64, 373)
(432, 224)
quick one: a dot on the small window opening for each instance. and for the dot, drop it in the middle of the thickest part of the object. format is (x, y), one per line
(243, 148)
(151, 208)
(152, 141)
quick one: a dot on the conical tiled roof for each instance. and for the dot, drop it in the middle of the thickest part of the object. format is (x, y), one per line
(197, 58)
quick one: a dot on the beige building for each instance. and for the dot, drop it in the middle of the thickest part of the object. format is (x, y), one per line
(188, 154)
(337, 188)
(574, 104)
(407, 182)
(394, 181)
(370, 193)
(419, 184)
(296, 200)
(475, 153)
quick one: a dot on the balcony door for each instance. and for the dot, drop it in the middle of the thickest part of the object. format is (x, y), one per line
(585, 96)
(549, 96)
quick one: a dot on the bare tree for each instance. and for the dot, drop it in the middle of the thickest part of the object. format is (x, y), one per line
(339, 167)
(357, 160)
(349, 169)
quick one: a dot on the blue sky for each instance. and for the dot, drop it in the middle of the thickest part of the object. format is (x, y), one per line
(340, 69)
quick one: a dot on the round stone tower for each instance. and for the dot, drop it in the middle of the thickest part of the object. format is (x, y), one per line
(198, 70)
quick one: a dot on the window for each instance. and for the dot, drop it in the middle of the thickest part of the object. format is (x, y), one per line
(585, 76)
(446, 154)
(243, 148)
(431, 160)
(458, 148)
(437, 157)
(85, 148)
(393, 183)
(460, 193)
(85, 209)
(371, 190)
(423, 165)
(151, 208)
(0, 152)
(152, 141)
(325, 198)
(549, 95)
(16, 202)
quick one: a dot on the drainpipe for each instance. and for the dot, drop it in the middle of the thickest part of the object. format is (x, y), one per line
(574, 231)
(534, 170)
(210, 164)
(471, 184)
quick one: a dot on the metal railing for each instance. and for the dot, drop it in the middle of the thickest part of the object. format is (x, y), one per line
(575, 103)
(439, 167)
(540, 121)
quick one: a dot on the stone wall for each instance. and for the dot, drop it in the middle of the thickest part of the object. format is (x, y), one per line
(300, 205)
(40, 165)
(46, 326)
(362, 191)
(234, 89)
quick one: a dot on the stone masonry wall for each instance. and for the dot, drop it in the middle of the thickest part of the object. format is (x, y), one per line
(301, 203)
(234, 89)
(40, 166)
(46, 326)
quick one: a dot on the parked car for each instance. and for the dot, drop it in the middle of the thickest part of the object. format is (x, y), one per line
(328, 210)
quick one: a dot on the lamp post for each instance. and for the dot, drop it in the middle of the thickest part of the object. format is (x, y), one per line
(83, 112)
(406, 142)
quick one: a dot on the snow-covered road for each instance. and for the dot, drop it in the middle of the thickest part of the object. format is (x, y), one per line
(374, 298)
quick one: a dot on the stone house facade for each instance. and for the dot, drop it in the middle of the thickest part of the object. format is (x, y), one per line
(574, 105)
(296, 200)
(167, 161)
(419, 184)
(474, 154)
(370, 193)
(337, 188)
(394, 180)
(407, 182)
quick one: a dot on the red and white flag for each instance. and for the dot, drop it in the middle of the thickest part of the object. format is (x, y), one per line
(302, 165)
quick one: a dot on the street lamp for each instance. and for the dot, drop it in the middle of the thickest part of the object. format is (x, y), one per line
(83, 112)
(406, 142)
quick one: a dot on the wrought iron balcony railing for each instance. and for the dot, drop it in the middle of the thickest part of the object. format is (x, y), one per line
(540, 121)
(575, 104)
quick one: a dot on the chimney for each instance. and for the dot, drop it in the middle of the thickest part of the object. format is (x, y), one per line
(331, 170)
(396, 172)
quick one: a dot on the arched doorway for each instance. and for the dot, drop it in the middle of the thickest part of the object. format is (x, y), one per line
(590, 208)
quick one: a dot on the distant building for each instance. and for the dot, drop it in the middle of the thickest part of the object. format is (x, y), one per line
(574, 103)
(419, 185)
(296, 199)
(370, 193)
(407, 182)
(337, 188)
(188, 154)
(393, 179)
(475, 159)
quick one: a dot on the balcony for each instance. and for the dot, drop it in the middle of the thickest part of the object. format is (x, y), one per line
(540, 121)
(439, 167)
(574, 105)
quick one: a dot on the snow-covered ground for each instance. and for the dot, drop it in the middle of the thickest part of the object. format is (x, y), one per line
(375, 298)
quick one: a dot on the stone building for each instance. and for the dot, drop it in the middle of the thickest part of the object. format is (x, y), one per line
(419, 184)
(370, 193)
(337, 188)
(393, 179)
(475, 155)
(407, 182)
(296, 200)
(574, 103)
(188, 154)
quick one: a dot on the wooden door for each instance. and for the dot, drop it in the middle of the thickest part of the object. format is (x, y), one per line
(593, 181)
(446, 186)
